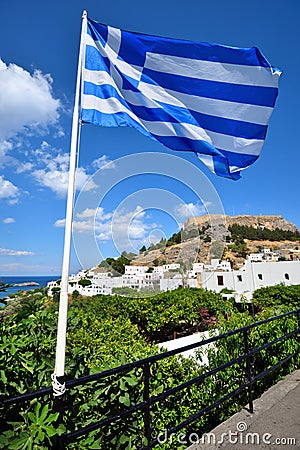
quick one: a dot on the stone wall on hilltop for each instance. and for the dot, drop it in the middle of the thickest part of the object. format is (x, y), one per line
(271, 222)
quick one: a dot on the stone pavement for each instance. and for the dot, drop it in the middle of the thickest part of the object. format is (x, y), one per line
(274, 424)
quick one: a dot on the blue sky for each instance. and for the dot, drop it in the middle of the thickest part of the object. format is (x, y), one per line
(39, 49)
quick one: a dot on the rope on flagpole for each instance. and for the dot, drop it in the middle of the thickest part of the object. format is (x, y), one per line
(58, 388)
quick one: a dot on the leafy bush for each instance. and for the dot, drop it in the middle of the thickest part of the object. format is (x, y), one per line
(34, 432)
(108, 331)
(277, 296)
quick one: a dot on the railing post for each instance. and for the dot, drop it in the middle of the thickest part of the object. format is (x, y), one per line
(59, 407)
(146, 397)
(248, 370)
(298, 317)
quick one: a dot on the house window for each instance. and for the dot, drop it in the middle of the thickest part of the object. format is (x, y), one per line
(286, 276)
(220, 280)
(239, 278)
(260, 277)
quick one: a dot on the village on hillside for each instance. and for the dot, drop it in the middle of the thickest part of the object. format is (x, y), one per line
(237, 271)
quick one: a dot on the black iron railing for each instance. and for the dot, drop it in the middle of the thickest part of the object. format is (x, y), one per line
(147, 400)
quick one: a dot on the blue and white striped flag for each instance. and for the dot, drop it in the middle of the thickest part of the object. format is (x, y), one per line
(190, 96)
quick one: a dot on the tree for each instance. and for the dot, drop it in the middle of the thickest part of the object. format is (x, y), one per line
(84, 282)
(119, 264)
(174, 239)
(75, 294)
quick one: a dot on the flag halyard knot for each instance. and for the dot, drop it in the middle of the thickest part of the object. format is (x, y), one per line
(58, 388)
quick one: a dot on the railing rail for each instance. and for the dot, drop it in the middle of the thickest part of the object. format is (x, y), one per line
(247, 357)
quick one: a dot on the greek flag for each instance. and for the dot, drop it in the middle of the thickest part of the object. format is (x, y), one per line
(190, 96)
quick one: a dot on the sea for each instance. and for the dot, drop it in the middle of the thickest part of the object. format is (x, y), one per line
(42, 281)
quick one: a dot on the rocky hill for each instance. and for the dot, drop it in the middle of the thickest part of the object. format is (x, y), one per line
(270, 222)
(214, 240)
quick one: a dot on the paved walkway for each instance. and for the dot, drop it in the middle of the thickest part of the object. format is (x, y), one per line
(275, 423)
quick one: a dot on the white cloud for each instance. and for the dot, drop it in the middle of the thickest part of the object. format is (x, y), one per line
(132, 229)
(26, 101)
(24, 167)
(8, 220)
(89, 213)
(56, 180)
(89, 221)
(45, 145)
(55, 174)
(60, 133)
(60, 223)
(130, 224)
(82, 226)
(88, 185)
(8, 190)
(128, 229)
(9, 252)
(103, 163)
(26, 105)
(5, 148)
(185, 210)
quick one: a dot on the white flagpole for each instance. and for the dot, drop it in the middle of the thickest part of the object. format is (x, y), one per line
(58, 384)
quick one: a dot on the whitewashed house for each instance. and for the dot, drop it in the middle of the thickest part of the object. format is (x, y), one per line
(166, 268)
(256, 257)
(252, 276)
(135, 270)
(256, 272)
(169, 284)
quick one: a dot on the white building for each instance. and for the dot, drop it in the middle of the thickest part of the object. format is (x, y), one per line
(74, 277)
(265, 255)
(266, 251)
(135, 270)
(224, 265)
(217, 276)
(169, 284)
(52, 284)
(215, 264)
(252, 276)
(256, 257)
(135, 277)
(101, 275)
(138, 277)
(166, 268)
(198, 267)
